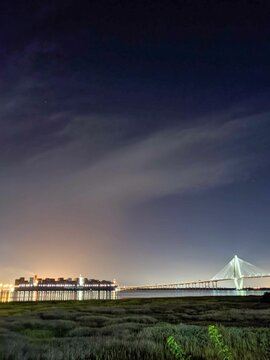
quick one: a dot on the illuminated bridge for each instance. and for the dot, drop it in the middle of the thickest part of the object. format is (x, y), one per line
(236, 270)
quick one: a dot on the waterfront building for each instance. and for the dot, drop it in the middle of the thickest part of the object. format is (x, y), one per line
(36, 283)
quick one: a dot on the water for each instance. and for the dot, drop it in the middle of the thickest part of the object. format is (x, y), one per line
(185, 293)
(20, 296)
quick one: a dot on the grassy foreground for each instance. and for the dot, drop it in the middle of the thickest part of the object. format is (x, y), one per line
(134, 328)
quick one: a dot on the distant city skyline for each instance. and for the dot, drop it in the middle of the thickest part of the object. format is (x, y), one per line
(134, 138)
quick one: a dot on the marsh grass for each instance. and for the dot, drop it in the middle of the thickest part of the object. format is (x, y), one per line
(38, 333)
(133, 329)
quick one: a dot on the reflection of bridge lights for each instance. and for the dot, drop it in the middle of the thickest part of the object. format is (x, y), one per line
(6, 286)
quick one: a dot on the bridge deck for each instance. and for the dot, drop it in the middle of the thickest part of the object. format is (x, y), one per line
(200, 284)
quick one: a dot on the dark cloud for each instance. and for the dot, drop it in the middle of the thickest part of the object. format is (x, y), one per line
(54, 195)
(110, 108)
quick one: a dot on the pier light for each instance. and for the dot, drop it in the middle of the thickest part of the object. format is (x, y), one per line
(81, 280)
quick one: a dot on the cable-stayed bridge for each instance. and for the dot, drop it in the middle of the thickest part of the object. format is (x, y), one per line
(237, 270)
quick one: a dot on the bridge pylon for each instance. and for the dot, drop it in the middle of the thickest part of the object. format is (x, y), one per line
(238, 270)
(238, 279)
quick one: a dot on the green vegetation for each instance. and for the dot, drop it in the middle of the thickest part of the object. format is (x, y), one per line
(135, 329)
(176, 349)
(218, 341)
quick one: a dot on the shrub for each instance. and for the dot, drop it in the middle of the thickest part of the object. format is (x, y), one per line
(266, 297)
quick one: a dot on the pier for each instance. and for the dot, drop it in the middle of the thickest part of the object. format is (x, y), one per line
(61, 284)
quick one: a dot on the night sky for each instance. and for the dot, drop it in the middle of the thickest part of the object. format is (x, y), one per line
(134, 138)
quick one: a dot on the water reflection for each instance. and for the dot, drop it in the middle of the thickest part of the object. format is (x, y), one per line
(186, 293)
(8, 296)
(5, 296)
